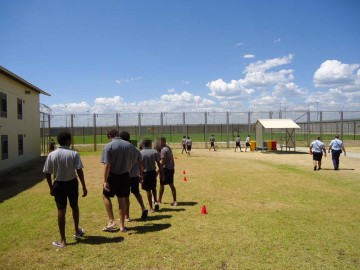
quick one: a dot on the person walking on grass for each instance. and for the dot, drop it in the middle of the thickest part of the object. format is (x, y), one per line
(136, 173)
(183, 143)
(317, 148)
(168, 164)
(188, 146)
(247, 143)
(337, 147)
(238, 143)
(117, 159)
(212, 142)
(66, 166)
(149, 160)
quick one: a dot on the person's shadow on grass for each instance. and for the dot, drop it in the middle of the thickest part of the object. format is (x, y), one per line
(148, 228)
(171, 209)
(98, 240)
(152, 218)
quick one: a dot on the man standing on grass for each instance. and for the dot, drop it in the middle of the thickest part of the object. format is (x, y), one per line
(183, 143)
(168, 164)
(247, 143)
(238, 143)
(317, 148)
(337, 147)
(212, 142)
(117, 159)
(188, 146)
(136, 175)
(66, 165)
(149, 158)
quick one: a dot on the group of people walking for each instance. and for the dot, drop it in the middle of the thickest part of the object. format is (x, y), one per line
(126, 167)
(318, 149)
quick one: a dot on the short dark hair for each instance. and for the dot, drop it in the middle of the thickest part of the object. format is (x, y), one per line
(64, 137)
(163, 139)
(337, 136)
(113, 133)
(318, 138)
(125, 136)
(188, 137)
(147, 143)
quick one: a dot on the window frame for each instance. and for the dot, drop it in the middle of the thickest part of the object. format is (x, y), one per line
(3, 105)
(20, 108)
(4, 140)
(20, 144)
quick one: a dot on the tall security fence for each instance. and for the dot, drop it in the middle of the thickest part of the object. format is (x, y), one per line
(90, 130)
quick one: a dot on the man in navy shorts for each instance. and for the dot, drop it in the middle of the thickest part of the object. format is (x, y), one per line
(317, 148)
(66, 165)
(149, 158)
(168, 164)
(117, 159)
(136, 175)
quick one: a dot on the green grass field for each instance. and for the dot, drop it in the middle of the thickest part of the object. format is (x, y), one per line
(265, 211)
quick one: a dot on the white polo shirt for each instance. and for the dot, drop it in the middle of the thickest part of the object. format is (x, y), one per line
(63, 163)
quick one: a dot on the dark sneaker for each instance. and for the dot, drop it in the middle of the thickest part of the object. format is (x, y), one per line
(144, 214)
(157, 207)
(314, 168)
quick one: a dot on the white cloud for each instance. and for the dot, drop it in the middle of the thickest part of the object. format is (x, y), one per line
(260, 82)
(114, 101)
(248, 56)
(278, 40)
(342, 83)
(186, 83)
(334, 73)
(172, 90)
(239, 44)
(127, 80)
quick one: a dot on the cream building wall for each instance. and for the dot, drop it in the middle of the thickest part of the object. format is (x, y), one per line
(28, 126)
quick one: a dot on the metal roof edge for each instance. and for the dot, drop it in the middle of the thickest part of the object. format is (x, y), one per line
(20, 80)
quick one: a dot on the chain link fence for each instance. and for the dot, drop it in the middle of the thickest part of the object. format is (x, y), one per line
(89, 130)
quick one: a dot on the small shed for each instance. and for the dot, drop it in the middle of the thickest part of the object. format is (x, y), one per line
(287, 125)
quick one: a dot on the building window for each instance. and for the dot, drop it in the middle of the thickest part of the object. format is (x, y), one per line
(4, 147)
(21, 144)
(3, 104)
(20, 108)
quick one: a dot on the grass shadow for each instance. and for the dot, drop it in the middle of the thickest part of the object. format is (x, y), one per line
(21, 178)
(187, 203)
(152, 218)
(171, 209)
(286, 152)
(148, 228)
(98, 240)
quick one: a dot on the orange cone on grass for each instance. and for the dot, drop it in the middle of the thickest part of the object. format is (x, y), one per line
(185, 179)
(184, 172)
(203, 210)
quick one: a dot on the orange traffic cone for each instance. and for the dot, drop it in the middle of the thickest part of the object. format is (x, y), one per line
(184, 172)
(203, 210)
(185, 179)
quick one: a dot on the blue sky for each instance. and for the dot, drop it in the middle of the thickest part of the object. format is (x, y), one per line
(177, 55)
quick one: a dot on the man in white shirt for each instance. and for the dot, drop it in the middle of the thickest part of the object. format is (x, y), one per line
(337, 147)
(317, 148)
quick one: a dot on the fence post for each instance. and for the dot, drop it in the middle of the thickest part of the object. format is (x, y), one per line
(94, 119)
(72, 130)
(308, 127)
(271, 131)
(249, 122)
(184, 130)
(320, 123)
(161, 123)
(227, 129)
(117, 121)
(139, 124)
(342, 125)
(205, 129)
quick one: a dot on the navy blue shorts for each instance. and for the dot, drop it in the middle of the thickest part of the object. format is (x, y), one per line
(119, 185)
(66, 189)
(317, 156)
(168, 177)
(134, 185)
(149, 180)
